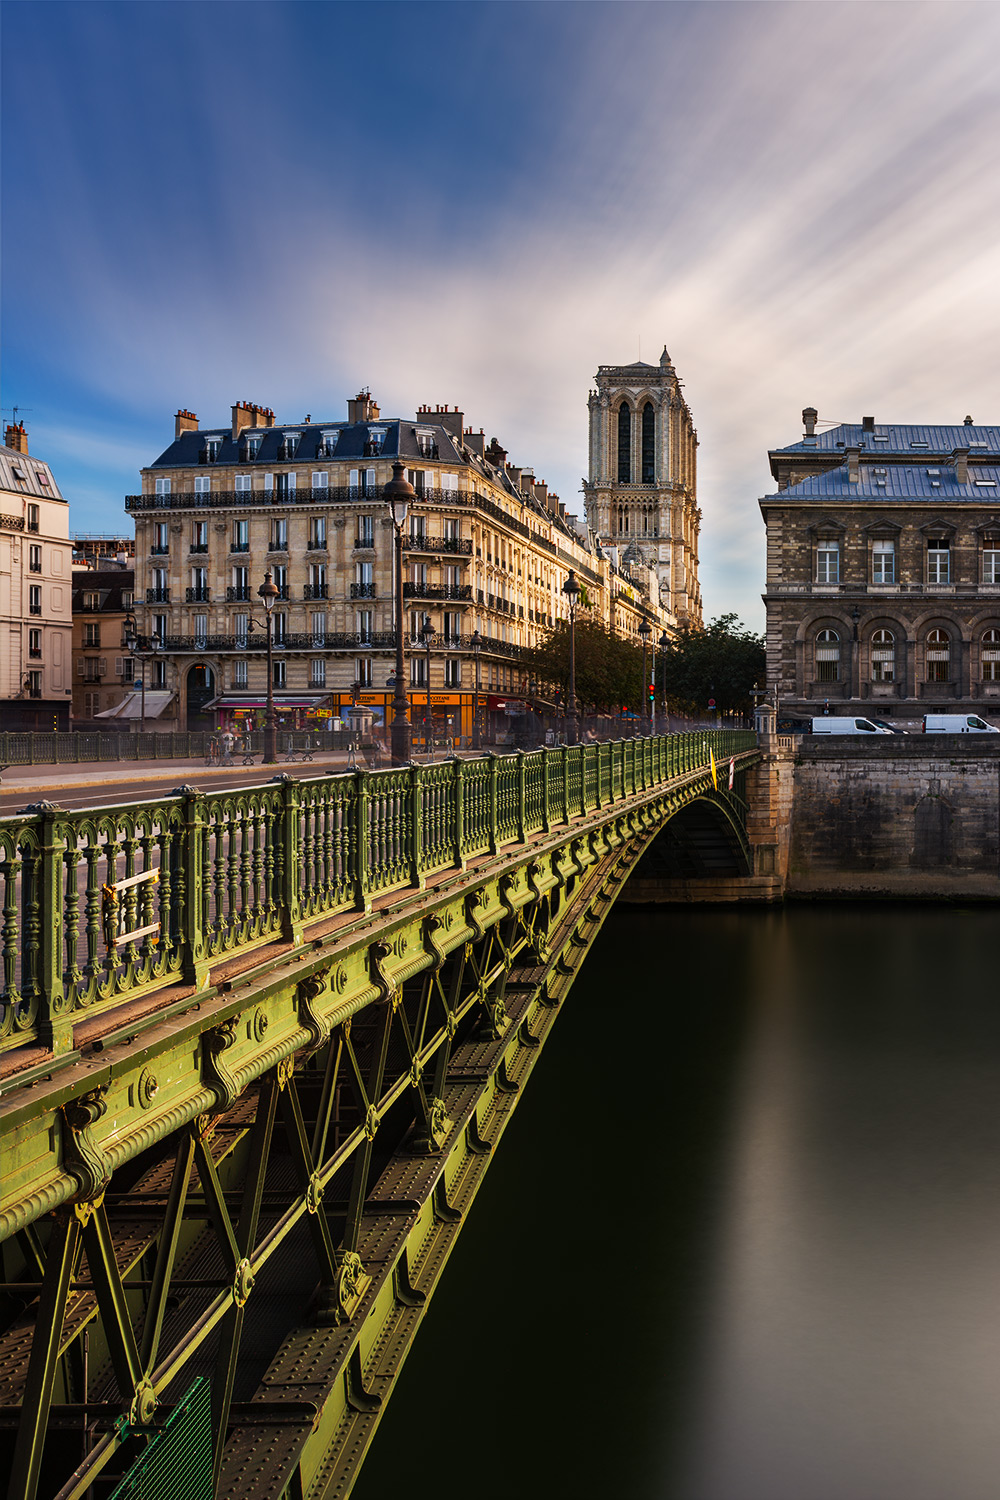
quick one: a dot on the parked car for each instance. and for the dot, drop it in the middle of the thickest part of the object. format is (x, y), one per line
(957, 724)
(841, 724)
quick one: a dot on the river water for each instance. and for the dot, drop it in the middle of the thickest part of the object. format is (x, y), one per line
(742, 1238)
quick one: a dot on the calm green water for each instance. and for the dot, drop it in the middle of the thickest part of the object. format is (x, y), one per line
(742, 1239)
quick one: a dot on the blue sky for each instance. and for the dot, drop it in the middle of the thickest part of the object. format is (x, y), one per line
(477, 204)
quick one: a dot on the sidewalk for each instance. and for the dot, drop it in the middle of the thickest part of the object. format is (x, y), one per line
(113, 773)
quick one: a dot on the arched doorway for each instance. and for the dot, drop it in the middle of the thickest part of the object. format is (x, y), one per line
(200, 689)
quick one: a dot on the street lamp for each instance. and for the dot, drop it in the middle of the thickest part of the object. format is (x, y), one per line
(645, 631)
(138, 646)
(427, 635)
(397, 495)
(663, 643)
(477, 739)
(267, 593)
(572, 591)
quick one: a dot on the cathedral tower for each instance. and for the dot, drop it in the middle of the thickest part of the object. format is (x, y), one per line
(641, 493)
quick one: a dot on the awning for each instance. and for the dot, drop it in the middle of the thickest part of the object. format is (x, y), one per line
(132, 706)
(282, 701)
(512, 705)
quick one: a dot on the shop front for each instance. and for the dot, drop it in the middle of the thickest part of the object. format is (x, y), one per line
(245, 712)
(451, 716)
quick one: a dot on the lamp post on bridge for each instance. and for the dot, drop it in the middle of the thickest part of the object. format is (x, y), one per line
(477, 737)
(267, 593)
(572, 591)
(663, 643)
(398, 495)
(138, 647)
(426, 636)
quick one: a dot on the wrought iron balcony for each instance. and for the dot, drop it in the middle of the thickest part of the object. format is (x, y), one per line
(363, 591)
(312, 546)
(197, 596)
(365, 542)
(458, 546)
(239, 546)
(157, 596)
(306, 640)
(197, 547)
(327, 494)
(458, 592)
(316, 591)
(236, 595)
(160, 551)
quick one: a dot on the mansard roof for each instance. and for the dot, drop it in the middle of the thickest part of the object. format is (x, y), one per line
(899, 439)
(877, 483)
(397, 438)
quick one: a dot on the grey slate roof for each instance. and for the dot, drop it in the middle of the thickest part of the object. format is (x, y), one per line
(107, 584)
(897, 438)
(926, 481)
(399, 441)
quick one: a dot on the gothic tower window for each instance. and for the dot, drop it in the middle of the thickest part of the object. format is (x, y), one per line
(624, 444)
(648, 444)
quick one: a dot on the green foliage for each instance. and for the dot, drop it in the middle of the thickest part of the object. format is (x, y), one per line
(608, 670)
(721, 660)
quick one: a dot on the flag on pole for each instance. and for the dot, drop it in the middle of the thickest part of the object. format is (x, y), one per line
(715, 779)
(732, 771)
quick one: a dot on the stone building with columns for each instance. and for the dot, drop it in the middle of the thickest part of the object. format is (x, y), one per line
(641, 494)
(883, 570)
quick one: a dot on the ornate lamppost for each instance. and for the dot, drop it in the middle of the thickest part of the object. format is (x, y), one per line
(572, 591)
(663, 643)
(398, 495)
(645, 631)
(426, 636)
(477, 737)
(267, 593)
(138, 646)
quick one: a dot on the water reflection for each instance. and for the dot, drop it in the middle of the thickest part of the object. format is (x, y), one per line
(741, 1241)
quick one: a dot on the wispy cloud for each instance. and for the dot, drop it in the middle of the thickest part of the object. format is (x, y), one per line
(800, 201)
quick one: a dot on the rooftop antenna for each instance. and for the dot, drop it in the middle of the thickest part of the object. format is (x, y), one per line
(15, 409)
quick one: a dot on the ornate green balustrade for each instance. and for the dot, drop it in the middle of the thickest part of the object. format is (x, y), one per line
(110, 903)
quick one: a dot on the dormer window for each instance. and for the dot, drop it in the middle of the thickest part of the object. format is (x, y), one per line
(253, 447)
(427, 445)
(212, 446)
(289, 447)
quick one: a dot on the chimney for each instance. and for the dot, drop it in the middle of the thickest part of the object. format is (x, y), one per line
(526, 481)
(185, 421)
(362, 408)
(496, 455)
(867, 424)
(475, 441)
(809, 415)
(541, 491)
(853, 458)
(246, 414)
(451, 421)
(16, 438)
(960, 457)
(968, 422)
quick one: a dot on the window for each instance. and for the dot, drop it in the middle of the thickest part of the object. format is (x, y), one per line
(278, 677)
(199, 624)
(199, 585)
(418, 535)
(363, 620)
(320, 480)
(34, 684)
(938, 568)
(828, 656)
(279, 628)
(94, 668)
(241, 585)
(990, 656)
(91, 602)
(419, 478)
(827, 562)
(253, 447)
(128, 598)
(317, 533)
(452, 625)
(35, 642)
(34, 517)
(241, 625)
(279, 534)
(243, 483)
(317, 628)
(285, 484)
(35, 599)
(159, 674)
(624, 444)
(938, 656)
(279, 576)
(125, 668)
(203, 487)
(363, 671)
(453, 672)
(317, 588)
(883, 656)
(366, 531)
(241, 536)
(162, 486)
(240, 674)
(648, 443)
(161, 539)
(451, 532)
(199, 536)
(883, 562)
(991, 560)
(291, 445)
(212, 446)
(160, 583)
(317, 672)
(91, 635)
(448, 482)
(91, 704)
(34, 558)
(418, 671)
(160, 628)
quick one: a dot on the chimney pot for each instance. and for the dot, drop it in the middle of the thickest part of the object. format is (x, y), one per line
(867, 424)
(961, 458)
(853, 460)
(809, 415)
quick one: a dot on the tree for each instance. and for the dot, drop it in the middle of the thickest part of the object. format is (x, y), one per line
(608, 669)
(722, 660)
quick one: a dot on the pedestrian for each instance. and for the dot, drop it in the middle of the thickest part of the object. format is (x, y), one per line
(228, 741)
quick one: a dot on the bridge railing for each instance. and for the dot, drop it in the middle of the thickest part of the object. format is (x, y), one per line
(102, 905)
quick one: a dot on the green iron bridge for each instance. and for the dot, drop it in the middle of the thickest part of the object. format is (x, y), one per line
(256, 1049)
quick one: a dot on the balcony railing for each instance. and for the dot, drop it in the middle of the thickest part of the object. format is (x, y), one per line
(458, 546)
(35, 652)
(316, 591)
(330, 494)
(238, 595)
(160, 551)
(316, 546)
(197, 596)
(307, 640)
(363, 591)
(197, 547)
(459, 592)
(365, 542)
(239, 546)
(157, 596)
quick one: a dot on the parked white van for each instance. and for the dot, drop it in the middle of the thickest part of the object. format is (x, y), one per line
(840, 724)
(957, 724)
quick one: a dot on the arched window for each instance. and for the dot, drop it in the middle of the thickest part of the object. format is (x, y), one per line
(990, 655)
(883, 656)
(938, 656)
(624, 444)
(648, 444)
(828, 656)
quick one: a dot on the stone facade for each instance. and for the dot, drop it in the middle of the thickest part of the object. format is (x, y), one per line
(641, 492)
(883, 571)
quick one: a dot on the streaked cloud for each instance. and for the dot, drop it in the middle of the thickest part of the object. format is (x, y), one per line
(478, 205)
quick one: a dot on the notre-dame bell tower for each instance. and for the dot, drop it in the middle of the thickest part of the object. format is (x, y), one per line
(641, 494)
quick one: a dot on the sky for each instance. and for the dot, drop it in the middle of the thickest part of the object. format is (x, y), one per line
(476, 204)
